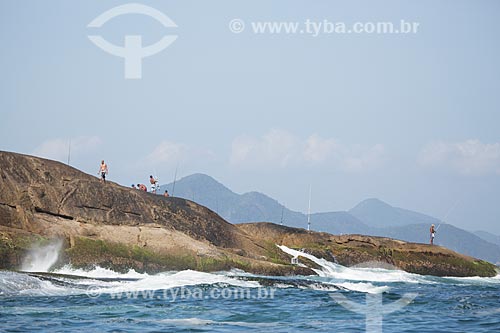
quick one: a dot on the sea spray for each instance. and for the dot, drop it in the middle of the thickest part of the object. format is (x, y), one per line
(366, 272)
(328, 267)
(42, 258)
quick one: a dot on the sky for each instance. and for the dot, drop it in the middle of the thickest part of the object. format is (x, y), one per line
(412, 119)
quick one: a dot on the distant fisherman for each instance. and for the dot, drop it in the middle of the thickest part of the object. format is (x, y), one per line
(142, 187)
(153, 182)
(166, 195)
(433, 234)
(103, 170)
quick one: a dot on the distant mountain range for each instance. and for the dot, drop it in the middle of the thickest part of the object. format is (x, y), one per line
(378, 214)
(488, 236)
(370, 217)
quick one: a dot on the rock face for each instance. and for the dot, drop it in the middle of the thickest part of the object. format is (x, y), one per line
(350, 250)
(123, 228)
(115, 226)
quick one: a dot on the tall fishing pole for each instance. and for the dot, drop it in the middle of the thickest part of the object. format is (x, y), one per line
(69, 151)
(282, 213)
(309, 210)
(447, 214)
(175, 179)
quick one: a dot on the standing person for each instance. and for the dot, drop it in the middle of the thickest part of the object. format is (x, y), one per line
(433, 233)
(166, 195)
(153, 183)
(142, 187)
(103, 170)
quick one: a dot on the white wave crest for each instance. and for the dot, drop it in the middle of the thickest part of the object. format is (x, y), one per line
(180, 279)
(364, 287)
(13, 283)
(100, 273)
(339, 272)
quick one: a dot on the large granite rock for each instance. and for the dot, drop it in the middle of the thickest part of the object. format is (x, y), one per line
(122, 228)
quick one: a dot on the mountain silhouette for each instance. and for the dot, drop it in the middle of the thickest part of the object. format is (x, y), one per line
(258, 207)
(379, 214)
(370, 217)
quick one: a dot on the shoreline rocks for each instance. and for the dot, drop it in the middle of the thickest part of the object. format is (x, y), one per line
(122, 228)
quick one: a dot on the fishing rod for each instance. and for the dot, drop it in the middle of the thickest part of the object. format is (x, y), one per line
(175, 179)
(282, 213)
(309, 210)
(69, 151)
(447, 214)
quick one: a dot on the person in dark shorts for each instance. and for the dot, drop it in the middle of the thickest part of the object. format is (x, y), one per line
(103, 171)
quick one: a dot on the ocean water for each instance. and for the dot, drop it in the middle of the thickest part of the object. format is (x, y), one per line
(340, 299)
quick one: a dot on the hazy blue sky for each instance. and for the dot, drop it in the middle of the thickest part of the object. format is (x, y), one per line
(411, 119)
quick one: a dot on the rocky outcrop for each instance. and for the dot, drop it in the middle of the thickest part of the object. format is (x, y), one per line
(123, 228)
(115, 226)
(359, 250)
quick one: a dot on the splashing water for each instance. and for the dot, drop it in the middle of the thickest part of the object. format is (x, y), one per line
(342, 273)
(42, 258)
